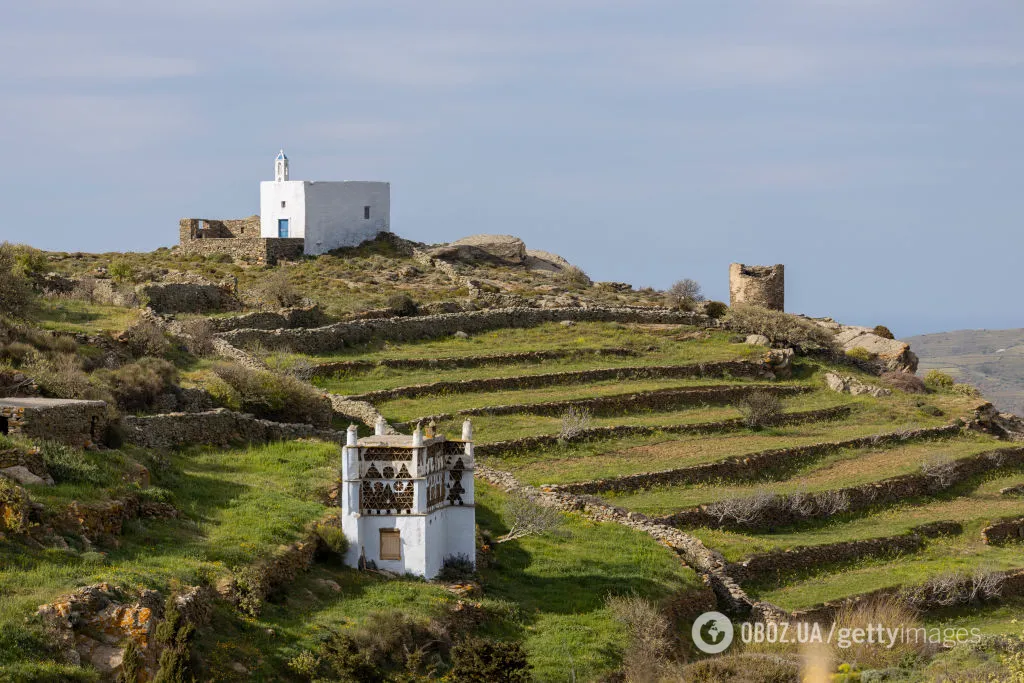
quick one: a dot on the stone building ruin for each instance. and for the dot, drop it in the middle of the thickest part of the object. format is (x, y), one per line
(75, 422)
(407, 502)
(239, 239)
(763, 286)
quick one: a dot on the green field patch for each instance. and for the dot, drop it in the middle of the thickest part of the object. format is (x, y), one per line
(843, 469)
(74, 315)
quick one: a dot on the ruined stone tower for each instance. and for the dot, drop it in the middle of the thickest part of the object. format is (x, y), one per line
(763, 286)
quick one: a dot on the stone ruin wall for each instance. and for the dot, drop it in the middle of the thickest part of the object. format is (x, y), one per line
(239, 239)
(763, 286)
(78, 423)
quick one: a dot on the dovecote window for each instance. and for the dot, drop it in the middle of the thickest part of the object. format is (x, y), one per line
(390, 544)
(366, 213)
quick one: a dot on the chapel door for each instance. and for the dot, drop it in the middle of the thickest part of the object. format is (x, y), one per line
(282, 227)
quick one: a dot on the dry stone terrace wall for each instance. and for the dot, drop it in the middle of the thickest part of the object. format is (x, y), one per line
(770, 566)
(499, 449)
(332, 338)
(288, 318)
(345, 366)
(738, 368)
(218, 427)
(1004, 531)
(658, 400)
(750, 466)
(784, 511)
(180, 297)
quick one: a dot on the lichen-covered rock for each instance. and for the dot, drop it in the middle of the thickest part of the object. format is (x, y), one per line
(504, 248)
(853, 386)
(891, 354)
(757, 340)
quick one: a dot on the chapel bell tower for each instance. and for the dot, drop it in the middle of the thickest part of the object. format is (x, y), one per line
(281, 167)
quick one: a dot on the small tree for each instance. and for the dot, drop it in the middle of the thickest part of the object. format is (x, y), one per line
(684, 294)
(575, 421)
(477, 660)
(760, 409)
(527, 518)
(15, 292)
(121, 271)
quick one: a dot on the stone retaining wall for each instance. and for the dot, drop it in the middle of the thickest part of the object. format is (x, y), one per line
(334, 337)
(261, 250)
(345, 366)
(733, 368)
(657, 400)
(1004, 531)
(784, 511)
(499, 449)
(749, 466)
(772, 565)
(218, 427)
(183, 297)
(288, 318)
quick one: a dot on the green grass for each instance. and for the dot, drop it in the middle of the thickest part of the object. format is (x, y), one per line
(981, 504)
(72, 315)
(846, 468)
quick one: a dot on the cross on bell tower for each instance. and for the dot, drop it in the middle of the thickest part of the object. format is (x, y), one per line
(281, 167)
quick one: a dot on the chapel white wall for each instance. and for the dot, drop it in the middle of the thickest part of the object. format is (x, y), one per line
(292, 193)
(334, 213)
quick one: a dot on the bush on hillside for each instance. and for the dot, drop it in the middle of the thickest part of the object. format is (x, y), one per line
(121, 271)
(684, 295)
(402, 305)
(859, 353)
(68, 465)
(904, 381)
(965, 389)
(782, 329)
(29, 261)
(62, 376)
(748, 667)
(457, 568)
(15, 291)
(526, 517)
(197, 336)
(280, 398)
(894, 613)
(145, 338)
(883, 331)
(333, 538)
(15, 504)
(575, 421)
(939, 381)
(650, 635)
(276, 290)
(477, 660)
(715, 309)
(137, 385)
(760, 409)
(575, 277)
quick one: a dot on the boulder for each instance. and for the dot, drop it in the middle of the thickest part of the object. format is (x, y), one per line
(757, 340)
(23, 476)
(853, 386)
(780, 361)
(505, 249)
(890, 353)
(545, 261)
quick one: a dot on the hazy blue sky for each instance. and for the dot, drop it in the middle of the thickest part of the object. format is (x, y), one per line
(873, 146)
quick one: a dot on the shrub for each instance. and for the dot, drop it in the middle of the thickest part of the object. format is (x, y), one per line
(16, 353)
(333, 538)
(476, 660)
(883, 331)
(965, 389)
(121, 271)
(145, 338)
(457, 568)
(525, 517)
(904, 381)
(575, 421)
(649, 635)
(929, 409)
(684, 295)
(277, 291)
(68, 465)
(14, 507)
(276, 397)
(28, 261)
(893, 613)
(715, 309)
(760, 409)
(860, 353)
(62, 376)
(938, 381)
(198, 336)
(402, 305)
(575, 277)
(344, 661)
(15, 291)
(782, 329)
(747, 667)
(940, 469)
(137, 385)
(745, 509)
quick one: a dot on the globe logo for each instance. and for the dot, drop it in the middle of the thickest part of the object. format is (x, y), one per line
(712, 632)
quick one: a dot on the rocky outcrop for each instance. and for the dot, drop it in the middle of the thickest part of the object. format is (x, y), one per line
(890, 354)
(1005, 426)
(505, 249)
(545, 261)
(1004, 531)
(845, 384)
(1017, 490)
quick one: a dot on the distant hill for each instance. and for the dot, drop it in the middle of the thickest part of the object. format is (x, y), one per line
(992, 360)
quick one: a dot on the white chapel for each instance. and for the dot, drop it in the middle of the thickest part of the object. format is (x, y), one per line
(327, 215)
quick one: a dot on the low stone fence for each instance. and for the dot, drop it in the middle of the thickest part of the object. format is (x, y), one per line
(774, 565)
(730, 368)
(263, 250)
(187, 297)
(218, 427)
(749, 466)
(288, 318)
(345, 366)
(926, 597)
(1004, 531)
(765, 512)
(657, 400)
(498, 449)
(334, 337)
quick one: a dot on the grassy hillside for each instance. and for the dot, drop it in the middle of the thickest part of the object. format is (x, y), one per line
(599, 596)
(992, 360)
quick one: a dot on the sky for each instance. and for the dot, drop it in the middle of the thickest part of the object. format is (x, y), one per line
(875, 147)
